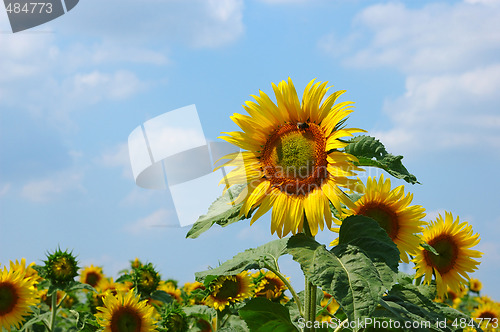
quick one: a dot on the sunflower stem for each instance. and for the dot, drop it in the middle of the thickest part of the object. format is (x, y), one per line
(289, 286)
(218, 320)
(310, 291)
(54, 311)
(418, 281)
(341, 325)
(61, 302)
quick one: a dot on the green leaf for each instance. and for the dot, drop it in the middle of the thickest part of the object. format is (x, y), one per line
(162, 296)
(235, 323)
(370, 152)
(124, 278)
(366, 234)
(76, 285)
(262, 315)
(346, 272)
(407, 301)
(222, 212)
(405, 312)
(254, 258)
(429, 248)
(38, 316)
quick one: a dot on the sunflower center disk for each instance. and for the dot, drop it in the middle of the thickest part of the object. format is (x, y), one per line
(447, 254)
(228, 290)
(93, 279)
(126, 320)
(385, 217)
(294, 160)
(487, 314)
(8, 298)
(294, 153)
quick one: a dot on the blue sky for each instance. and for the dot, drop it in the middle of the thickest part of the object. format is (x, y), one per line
(424, 76)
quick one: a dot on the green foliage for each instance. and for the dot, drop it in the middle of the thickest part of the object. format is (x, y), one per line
(346, 272)
(262, 315)
(429, 248)
(221, 212)
(357, 272)
(162, 296)
(255, 258)
(366, 234)
(371, 152)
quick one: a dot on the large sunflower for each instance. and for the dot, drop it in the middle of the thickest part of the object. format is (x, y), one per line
(17, 294)
(393, 212)
(452, 241)
(125, 313)
(229, 289)
(292, 160)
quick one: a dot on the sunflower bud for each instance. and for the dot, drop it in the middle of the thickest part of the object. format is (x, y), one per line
(61, 268)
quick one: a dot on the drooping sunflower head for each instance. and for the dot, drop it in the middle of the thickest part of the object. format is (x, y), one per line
(125, 313)
(489, 316)
(452, 241)
(293, 161)
(17, 294)
(61, 267)
(174, 319)
(391, 209)
(475, 285)
(270, 286)
(92, 275)
(146, 279)
(225, 290)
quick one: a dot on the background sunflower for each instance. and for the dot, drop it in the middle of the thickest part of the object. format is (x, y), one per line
(452, 240)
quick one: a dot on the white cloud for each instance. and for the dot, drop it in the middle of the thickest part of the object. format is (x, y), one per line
(96, 86)
(49, 188)
(449, 55)
(4, 189)
(198, 23)
(436, 38)
(446, 111)
(157, 220)
(118, 156)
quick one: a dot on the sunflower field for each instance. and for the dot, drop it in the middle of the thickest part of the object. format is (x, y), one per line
(301, 163)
